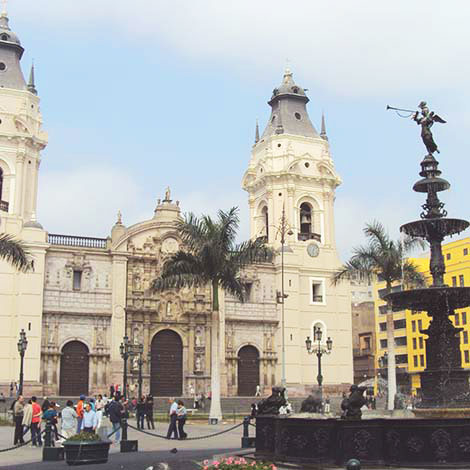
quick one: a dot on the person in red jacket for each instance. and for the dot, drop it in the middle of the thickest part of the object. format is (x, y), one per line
(80, 412)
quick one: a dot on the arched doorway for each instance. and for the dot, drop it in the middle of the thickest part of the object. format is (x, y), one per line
(248, 371)
(166, 373)
(74, 369)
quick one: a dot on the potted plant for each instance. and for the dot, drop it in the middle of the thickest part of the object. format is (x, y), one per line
(236, 463)
(86, 447)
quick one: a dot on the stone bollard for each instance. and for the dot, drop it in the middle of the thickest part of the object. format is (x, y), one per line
(247, 441)
(127, 445)
(49, 452)
(353, 464)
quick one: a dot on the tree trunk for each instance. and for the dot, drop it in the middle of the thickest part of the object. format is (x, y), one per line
(215, 413)
(391, 369)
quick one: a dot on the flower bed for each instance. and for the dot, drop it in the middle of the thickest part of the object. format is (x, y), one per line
(86, 448)
(236, 463)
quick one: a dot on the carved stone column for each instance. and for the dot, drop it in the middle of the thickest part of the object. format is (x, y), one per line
(191, 347)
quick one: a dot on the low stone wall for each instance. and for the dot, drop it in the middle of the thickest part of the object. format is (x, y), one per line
(403, 442)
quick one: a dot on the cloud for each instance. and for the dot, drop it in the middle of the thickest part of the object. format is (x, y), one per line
(354, 48)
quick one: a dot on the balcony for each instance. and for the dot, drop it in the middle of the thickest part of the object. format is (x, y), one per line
(317, 298)
(358, 352)
(72, 240)
(303, 237)
(4, 206)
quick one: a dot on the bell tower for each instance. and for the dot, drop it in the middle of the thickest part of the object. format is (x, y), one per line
(21, 141)
(291, 171)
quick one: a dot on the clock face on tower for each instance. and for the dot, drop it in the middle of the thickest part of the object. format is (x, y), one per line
(313, 250)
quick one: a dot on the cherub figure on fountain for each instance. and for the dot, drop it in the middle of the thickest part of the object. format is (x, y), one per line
(272, 404)
(352, 405)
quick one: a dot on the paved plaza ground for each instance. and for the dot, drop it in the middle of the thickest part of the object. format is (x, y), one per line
(152, 450)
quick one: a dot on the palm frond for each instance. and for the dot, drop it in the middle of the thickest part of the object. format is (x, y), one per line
(377, 235)
(412, 243)
(232, 283)
(15, 253)
(412, 277)
(228, 226)
(251, 251)
(193, 232)
(361, 267)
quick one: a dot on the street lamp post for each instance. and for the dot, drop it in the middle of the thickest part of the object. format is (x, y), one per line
(319, 349)
(140, 363)
(22, 345)
(125, 353)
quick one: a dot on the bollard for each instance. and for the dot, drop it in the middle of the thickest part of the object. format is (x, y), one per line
(127, 445)
(49, 452)
(247, 441)
(353, 464)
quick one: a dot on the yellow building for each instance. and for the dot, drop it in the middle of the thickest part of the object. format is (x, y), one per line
(410, 343)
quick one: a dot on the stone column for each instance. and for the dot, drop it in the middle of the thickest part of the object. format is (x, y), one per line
(191, 347)
(20, 159)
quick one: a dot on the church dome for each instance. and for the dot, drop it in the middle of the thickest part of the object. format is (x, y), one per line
(6, 34)
(288, 87)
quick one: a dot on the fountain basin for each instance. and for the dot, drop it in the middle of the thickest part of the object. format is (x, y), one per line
(425, 228)
(414, 442)
(430, 297)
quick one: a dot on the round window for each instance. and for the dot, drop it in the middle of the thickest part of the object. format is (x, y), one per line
(307, 164)
(278, 145)
(297, 116)
(3, 66)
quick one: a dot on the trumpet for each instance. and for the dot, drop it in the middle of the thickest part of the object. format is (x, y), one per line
(400, 109)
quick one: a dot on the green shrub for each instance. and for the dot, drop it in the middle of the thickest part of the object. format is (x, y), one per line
(85, 436)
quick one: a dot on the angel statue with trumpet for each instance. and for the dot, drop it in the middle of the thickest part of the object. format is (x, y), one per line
(425, 119)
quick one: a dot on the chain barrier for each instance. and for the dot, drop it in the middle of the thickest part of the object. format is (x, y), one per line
(251, 424)
(113, 432)
(17, 446)
(161, 436)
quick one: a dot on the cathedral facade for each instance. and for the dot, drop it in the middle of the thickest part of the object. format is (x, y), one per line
(86, 294)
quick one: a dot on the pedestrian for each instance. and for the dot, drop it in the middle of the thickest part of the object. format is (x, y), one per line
(27, 416)
(51, 415)
(90, 421)
(196, 402)
(173, 419)
(99, 403)
(80, 404)
(36, 423)
(45, 405)
(181, 419)
(149, 411)
(258, 391)
(254, 411)
(12, 388)
(327, 404)
(18, 420)
(140, 413)
(111, 390)
(69, 420)
(116, 412)
(17, 389)
(202, 401)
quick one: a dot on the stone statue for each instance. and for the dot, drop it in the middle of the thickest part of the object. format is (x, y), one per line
(99, 337)
(198, 365)
(167, 194)
(198, 339)
(135, 362)
(312, 404)
(119, 218)
(352, 405)
(168, 309)
(271, 405)
(51, 339)
(426, 121)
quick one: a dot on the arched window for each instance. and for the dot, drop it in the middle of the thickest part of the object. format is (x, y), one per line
(264, 212)
(1, 184)
(305, 218)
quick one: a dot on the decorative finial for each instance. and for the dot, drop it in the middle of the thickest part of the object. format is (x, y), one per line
(31, 85)
(257, 132)
(4, 8)
(323, 128)
(287, 70)
(119, 218)
(167, 195)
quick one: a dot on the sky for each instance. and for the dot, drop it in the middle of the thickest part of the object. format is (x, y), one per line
(141, 95)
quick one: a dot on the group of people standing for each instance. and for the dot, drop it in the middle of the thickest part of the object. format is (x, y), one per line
(144, 411)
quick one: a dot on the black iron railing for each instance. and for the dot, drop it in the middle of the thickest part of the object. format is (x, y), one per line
(308, 236)
(72, 240)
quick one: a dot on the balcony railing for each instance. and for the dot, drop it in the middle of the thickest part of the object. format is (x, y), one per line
(72, 240)
(308, 236)
(362, 352)
(4, 206)
(318, 298)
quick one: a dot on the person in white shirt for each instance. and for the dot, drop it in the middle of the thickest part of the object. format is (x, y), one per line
(172, 429)
(90, 421)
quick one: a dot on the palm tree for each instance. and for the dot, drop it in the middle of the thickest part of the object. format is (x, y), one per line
(14, 252)
(383, 257)
(211, 256)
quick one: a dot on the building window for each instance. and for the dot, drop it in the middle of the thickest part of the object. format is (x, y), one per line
(383, 343)
(401, 341)
(415, 361)
(421, 342)
(382, 309)
(454, 281)
(465, 251)
(383, 326)
(464, 318)
(366, 343)
(421, 360)
(413, 326)
(461, 280)
(467, 356)
(264, 213)
(401, 358)
(77, 280)
(465, 337)
(420, 325)
(414, 343)
(448, 256)
(318, 291)
(399, 324)
(456, 317)
(305, 218)
(248, 288)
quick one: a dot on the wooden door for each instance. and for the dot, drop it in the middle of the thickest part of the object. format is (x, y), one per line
(74, 369)
(166, 375)
(248, 371)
